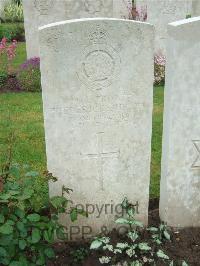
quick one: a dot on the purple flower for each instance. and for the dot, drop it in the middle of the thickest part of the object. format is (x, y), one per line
(32, 62)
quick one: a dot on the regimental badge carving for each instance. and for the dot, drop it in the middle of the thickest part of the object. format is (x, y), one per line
(43, 6)
(196, 163)
(98, 35)
(100, 62)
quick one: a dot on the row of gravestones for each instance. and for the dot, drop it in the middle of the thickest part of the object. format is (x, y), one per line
(97, 79)
(162, 12)
(41, 12)
(159, 13)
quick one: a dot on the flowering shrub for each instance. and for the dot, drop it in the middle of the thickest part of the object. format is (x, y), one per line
(159, 69)
(29, 76)
(7, 54)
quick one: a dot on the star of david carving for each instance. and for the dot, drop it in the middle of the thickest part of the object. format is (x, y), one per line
(196, 163)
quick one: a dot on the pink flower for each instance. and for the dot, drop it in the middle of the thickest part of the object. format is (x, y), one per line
(11, 50)
(3, 44)
(160, 59)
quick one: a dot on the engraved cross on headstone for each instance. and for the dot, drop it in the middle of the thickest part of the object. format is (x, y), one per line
(196, 163)
(100, 156)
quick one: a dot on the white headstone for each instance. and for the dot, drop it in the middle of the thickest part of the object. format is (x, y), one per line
(31, 28)
(97, 96)
(41, 12)
(180, 179)
(162, 12)
(122, 9)
(196, 8)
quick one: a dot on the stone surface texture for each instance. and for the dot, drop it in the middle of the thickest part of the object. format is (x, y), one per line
(41, 12)
(97, 96)
(31, 28)
(180, 177)
(196, 8)
(162, 12)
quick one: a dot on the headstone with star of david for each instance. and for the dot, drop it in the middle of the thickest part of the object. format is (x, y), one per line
(97, 96)
(180, 175)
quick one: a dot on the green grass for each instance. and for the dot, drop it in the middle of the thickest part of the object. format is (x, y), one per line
(156, 141)
(22, 114)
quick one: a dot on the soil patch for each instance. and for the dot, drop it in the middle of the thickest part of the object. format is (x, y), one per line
(184, 246)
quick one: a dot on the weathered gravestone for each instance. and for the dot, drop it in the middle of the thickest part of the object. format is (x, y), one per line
(180, 182)
(31, 28)
(162, 12)
(97, 77)
(41, 12)
(196, 8)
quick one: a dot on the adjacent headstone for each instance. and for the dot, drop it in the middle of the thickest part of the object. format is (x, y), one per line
(97, 97)
(31, 28)
(41, 12)
(196, 8)
(122, 9)
(162, 12)
(180, 178)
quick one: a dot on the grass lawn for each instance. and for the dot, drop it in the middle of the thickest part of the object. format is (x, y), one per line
(22, 114)
(156, 141)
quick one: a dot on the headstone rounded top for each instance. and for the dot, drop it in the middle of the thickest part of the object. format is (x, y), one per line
(105, 20)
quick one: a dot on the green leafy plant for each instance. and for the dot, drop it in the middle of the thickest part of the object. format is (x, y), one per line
(133, 250)
(12, 31)
(188, 16)
(3, 78)
(159, 234)
(79, 255)
(13, 12)
(27, 231)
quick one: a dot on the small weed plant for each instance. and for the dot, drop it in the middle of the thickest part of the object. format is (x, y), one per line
(133, 251)
(79, 255)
